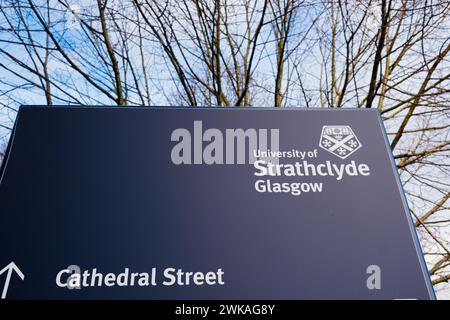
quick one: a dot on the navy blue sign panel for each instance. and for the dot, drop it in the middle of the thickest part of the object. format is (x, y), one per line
(204, 203)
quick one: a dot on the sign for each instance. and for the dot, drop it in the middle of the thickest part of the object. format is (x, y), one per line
(204, 203)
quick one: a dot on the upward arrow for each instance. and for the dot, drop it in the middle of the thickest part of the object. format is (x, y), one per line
(10, 268)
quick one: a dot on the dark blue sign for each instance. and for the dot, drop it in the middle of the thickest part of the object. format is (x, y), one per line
(204, 203)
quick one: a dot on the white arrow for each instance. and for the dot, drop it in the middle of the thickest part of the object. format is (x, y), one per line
(10, 268)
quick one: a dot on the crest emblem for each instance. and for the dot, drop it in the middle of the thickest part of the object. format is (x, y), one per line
(339, 140)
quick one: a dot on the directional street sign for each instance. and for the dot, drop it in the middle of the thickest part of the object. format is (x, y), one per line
(205, 203)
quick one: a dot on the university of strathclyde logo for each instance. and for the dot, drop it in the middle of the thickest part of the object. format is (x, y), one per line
(339, 140)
